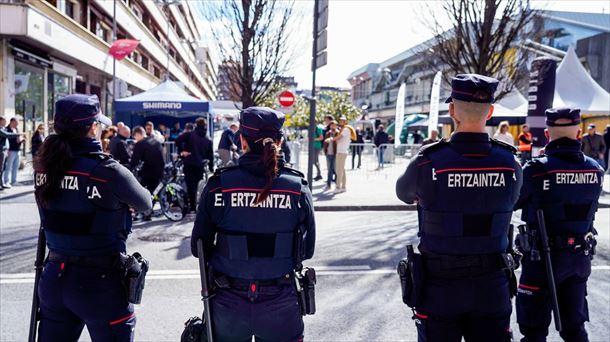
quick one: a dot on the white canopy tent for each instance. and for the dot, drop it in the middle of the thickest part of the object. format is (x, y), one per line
(574, 87)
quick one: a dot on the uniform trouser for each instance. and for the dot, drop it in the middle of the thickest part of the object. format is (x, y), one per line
(340, 167)
(11, 167)
(571, 272)
(274, 315)
(77, 296)
(192, 175)
(476, 308)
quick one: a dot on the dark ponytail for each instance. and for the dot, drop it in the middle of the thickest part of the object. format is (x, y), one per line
(54, 159)
(269, 150)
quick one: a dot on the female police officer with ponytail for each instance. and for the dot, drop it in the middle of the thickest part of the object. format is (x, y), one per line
(249, 218)
(83, 198)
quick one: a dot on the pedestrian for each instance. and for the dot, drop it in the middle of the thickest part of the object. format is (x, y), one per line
(247, 223)
(107, 135)
(118, 146)
(148, 157)
(330, 151)
(432, 139)
(37, 139)
(357, 149)
(525, 144)
(593, 145)
(607, 143)
(569, 210)
(343, 139)
(317, 148)
(503, 134)
(14, 154)
(4, 145)
(84, 198)
(285, 150)
(181, 139)
(417, 137)
(381, 140)
(175, 131)
(227, 145)
(465, 189)
(164, 132)
(198, 149)
(152, 132)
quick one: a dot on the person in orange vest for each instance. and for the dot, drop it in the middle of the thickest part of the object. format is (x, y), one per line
(525, 144)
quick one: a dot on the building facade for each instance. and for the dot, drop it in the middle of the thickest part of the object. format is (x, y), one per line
(375, 85)
(228, 88)
(51, 48)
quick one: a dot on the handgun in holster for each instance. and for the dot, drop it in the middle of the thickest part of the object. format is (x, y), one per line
(305, 281)
(411, 273)
(135, 268)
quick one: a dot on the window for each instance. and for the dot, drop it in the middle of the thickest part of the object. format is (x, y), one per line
(144, 62)
(156, 72)
(137, 11)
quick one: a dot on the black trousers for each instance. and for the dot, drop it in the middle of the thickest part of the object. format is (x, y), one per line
(192, 175)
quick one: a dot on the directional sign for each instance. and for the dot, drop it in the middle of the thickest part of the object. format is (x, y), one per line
(322, 41)
(286, 98)
(322, 19)
(321, 60)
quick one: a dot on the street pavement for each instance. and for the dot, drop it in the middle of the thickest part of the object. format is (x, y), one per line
(358, 293)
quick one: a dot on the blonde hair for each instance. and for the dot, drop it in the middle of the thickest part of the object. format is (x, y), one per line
(503, 124)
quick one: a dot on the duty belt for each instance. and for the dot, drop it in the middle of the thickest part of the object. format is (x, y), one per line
(576, 242)
(104, 261)
(224, 281)
(466, 265)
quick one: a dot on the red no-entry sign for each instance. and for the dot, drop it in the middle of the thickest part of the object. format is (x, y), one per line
(286, 98)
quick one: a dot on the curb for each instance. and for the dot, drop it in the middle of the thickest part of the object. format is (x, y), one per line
(412, 207)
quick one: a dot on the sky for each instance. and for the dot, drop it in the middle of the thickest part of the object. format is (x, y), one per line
(370, 31)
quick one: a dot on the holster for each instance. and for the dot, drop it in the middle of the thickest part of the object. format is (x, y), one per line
(135, 268)
(412, 276)
(194, 331)
(305, 281)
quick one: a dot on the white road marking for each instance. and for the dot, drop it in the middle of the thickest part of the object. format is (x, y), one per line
(25, 278)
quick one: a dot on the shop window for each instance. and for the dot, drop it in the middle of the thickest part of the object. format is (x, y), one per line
(29, 91)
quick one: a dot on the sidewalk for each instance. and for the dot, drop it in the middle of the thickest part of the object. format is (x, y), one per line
(367, 188)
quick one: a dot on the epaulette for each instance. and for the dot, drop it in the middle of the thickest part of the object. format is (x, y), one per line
(220, 170)
(433, 147)
(293, 171)
(509, 147)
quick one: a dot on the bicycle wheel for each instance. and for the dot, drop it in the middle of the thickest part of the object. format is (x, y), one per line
(173, 204)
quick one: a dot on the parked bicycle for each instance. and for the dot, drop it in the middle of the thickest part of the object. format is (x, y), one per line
(170, 193)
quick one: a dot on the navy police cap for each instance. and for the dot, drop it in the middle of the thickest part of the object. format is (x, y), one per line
(261, 122)
(473, 88)
(571, 116)
(78, 110)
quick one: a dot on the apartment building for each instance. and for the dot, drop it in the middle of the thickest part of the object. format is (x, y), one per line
(50, 48)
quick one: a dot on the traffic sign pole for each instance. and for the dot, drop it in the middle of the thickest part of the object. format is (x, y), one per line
(312, 101)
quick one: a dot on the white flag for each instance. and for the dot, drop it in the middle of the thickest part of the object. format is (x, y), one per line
(400, 113)
(434, 98)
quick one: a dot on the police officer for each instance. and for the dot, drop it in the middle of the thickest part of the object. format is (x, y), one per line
(83, 198)
(465, 189)
(566, 185)
(253, 212)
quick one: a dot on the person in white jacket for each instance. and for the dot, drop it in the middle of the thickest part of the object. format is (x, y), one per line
(503, 134)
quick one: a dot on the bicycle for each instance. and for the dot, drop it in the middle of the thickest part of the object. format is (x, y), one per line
(170, 194)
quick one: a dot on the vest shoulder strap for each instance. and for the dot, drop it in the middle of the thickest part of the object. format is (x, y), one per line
(426, 150)
(502, 144)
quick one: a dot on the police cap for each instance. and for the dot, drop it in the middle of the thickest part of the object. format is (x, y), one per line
(78, 110)
(473, 88)
(571, 116)
(261, 122)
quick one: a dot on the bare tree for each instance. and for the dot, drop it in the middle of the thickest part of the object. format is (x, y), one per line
(483, 38)
(252, 37)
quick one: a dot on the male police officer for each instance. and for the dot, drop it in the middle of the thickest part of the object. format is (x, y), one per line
(566, 185)
(249, 218)
(83, 198)
(465, 190)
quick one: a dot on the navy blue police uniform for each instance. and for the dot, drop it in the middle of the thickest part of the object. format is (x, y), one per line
(465, 190)
(566, 185)
(86, 227)
(252, 246)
